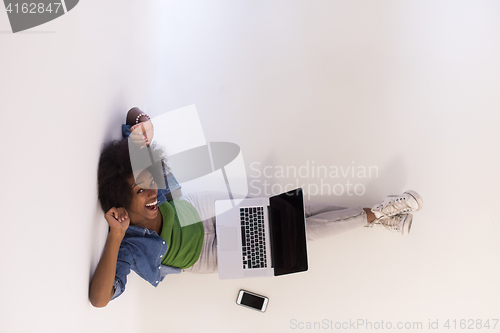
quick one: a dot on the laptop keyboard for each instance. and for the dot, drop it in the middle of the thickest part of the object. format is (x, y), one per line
(253, 237)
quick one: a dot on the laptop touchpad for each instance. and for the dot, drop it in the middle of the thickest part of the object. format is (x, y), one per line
(228, 238)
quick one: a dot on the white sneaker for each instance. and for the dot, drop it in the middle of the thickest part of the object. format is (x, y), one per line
(397, 223)
(408, 202)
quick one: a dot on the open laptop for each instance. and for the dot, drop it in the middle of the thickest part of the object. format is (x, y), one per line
(261, 236)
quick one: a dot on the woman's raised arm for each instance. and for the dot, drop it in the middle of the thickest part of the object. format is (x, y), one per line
(101, 287)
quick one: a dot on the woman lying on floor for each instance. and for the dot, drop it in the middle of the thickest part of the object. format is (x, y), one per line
(145, 234)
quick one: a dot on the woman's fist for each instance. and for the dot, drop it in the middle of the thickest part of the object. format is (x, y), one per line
(142, 133)
(117, 219)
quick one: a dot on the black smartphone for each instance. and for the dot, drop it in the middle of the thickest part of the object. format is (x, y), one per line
(252, 301)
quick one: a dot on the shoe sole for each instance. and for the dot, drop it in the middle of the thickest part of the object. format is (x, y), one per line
(407, 224)
(417, 197)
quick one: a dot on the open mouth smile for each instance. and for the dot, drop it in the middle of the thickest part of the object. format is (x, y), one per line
(153, 205)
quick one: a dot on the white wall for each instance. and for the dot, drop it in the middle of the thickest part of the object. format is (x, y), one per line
(409, 87)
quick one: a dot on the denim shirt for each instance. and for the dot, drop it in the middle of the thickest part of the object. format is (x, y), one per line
(142, 250)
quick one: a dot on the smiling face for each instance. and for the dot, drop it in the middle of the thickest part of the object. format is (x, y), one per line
(143, 206)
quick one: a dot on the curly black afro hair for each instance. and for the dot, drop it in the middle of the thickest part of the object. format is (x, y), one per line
(115, 169)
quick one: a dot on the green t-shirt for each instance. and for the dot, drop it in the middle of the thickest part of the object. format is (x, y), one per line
(183, 231)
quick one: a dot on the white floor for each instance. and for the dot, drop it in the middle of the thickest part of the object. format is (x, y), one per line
(408, 88)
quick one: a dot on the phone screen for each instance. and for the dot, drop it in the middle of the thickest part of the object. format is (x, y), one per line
(252, 301)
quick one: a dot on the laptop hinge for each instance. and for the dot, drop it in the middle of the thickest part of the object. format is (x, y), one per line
(270, 219)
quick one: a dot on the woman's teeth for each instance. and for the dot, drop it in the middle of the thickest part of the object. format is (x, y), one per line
(152, 206)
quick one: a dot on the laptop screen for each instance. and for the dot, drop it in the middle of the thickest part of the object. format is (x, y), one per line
(288, 232)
